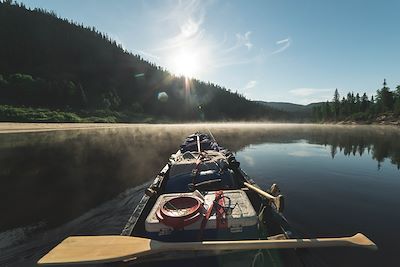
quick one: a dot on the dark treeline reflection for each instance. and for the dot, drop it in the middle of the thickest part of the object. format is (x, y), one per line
(53, 177)
(381, 142)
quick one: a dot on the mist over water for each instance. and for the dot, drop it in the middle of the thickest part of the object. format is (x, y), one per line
(337, 180)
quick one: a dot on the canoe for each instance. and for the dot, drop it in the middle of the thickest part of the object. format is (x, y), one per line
(202, 209)
(202, 167)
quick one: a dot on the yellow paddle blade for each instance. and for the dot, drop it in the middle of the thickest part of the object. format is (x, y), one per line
(360, 239)
(96, 249)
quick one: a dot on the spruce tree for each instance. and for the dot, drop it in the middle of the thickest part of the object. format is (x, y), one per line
(358, 103)
(396, 108)
(384, 98)
(336, 104)
(364, 103)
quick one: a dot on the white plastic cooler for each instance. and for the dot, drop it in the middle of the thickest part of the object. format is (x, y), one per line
(240, 219)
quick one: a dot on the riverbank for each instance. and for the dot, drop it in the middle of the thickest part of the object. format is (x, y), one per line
(383, 119)
(17, 127)
(40, 115)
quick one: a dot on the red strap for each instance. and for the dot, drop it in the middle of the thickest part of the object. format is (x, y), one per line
(206, 218)
(222, 220)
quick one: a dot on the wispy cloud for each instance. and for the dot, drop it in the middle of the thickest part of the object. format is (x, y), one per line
(146, 54)
(180, 24)
(308, 91)
(312, 95)
(244, 39)
(284, 44)
(250, 84)
(234, 60)
(287, 40)
(190, 34)
(190, 27)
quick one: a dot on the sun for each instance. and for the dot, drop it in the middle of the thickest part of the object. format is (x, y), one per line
(187, 64)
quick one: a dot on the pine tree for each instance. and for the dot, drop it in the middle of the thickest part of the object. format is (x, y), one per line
(317, 112)
(343, 108)
(396, 108)
(373, 106)
(364, 103)
(397, 92)
(326, 111)
(336, 104)
(384, 98)
(358, 103)
(349, 104)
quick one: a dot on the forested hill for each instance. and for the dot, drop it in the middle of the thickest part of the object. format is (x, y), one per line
(52, 63)
(297, 112)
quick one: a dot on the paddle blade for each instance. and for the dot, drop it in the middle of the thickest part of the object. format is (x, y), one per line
(96, 249)
(361, 240)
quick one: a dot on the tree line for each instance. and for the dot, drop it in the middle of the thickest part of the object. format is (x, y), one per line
(360, 108)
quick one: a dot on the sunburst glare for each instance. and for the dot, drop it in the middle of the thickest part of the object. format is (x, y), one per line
(186, 63)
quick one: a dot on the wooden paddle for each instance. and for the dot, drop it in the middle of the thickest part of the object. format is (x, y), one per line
(278, 201)
(103, 249)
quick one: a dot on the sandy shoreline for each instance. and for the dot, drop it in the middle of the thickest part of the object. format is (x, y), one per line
(15, 127)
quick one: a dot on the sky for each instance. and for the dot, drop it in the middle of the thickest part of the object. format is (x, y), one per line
(270, 50)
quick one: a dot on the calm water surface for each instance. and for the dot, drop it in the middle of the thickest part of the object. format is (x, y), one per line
(338, 180)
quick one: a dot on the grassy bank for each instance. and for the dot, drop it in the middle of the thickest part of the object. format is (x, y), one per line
(28, 114)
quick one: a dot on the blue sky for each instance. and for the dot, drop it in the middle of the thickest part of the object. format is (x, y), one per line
(291, 51)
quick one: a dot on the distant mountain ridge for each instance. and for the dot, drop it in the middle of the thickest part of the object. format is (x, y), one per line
(296, 112)
(290, 107)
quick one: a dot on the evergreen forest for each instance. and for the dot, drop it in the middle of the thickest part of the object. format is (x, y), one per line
(386, 103)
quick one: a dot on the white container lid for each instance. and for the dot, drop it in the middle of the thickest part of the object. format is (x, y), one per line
(241, 213)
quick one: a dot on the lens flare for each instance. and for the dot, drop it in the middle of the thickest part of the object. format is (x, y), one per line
(162, 97)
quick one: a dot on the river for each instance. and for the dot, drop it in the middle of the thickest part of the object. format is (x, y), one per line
(337, 180)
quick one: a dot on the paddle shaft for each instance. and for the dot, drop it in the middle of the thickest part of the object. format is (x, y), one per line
(270, 244)
(259, 191)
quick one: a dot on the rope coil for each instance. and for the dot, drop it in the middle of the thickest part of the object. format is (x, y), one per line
(180, 211)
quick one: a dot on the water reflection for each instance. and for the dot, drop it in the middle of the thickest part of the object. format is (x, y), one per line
(381, 142)
(55, 184)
